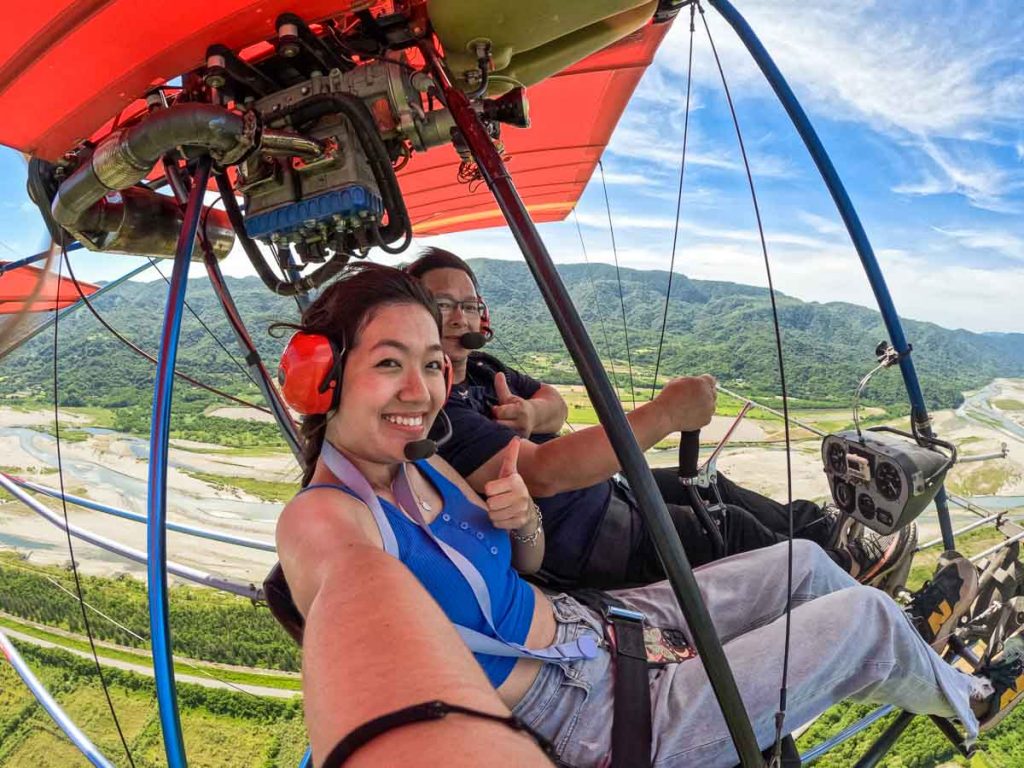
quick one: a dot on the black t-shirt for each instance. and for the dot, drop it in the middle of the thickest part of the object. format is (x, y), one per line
(571, 519)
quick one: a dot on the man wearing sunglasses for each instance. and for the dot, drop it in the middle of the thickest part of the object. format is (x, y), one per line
(595, 535)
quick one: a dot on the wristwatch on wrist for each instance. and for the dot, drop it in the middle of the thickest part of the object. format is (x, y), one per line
(532, 538)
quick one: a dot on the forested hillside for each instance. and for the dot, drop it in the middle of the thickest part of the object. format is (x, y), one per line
(718, 327)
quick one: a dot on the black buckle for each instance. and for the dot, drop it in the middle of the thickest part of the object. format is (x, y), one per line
(629, 631)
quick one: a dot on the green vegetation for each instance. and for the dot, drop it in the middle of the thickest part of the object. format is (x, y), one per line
(719, 327)
(67, 434)
(1008, 404)
(222, 728)
(209, 626)
(98, 417)
(267, 490)
(106, 651)
(921, 746)
(979, 479)
(189, 422)
(211, 450)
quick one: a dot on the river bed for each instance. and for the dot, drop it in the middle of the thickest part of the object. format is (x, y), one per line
(112, 469)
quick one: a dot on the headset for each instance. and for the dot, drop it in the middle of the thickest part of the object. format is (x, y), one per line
(310, 379)
(474, 340)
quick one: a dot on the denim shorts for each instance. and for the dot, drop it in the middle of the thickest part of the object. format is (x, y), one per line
(571, 703)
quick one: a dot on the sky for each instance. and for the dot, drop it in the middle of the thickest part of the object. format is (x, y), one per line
(920, 105)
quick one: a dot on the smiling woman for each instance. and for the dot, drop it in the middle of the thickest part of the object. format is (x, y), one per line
(365, 507)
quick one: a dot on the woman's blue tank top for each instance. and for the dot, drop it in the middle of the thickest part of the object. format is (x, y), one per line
(467, 528)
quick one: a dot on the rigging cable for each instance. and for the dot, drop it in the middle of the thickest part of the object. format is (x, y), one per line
(597, 305)
(780, 716)
(679, 205)
(142, 353)
(67, 524)
(127, 630)
(207, 328)
(618, 278)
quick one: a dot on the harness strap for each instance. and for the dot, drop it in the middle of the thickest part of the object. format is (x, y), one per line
(581, 648)
(417, 713)
(632, 731)
(631, 722)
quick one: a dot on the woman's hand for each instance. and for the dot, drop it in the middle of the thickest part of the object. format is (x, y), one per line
(509, 504)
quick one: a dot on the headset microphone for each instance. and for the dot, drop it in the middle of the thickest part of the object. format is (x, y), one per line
(472, 340)
(418, 450)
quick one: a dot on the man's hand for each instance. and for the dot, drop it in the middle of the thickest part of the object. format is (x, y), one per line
(688, 403)
(512, 411)
(508, 501)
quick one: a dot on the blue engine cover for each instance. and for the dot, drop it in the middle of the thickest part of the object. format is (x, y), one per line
(350, 201)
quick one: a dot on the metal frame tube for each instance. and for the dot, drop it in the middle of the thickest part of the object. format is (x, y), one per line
(60, 717)
(135, 555)
(252, 358)
(965, 529)
(609, 409)
(159, 443)
(853, 227)
(880, 748)
(59, 315)
(41, 256)
(984, 456)
(846, 734)
(992, 550)
(188, 530)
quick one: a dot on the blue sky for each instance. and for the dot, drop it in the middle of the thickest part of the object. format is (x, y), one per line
(921, 106)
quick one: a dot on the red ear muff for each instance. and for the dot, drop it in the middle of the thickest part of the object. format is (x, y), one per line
(485, 320)
(310, 373)
(449, 377)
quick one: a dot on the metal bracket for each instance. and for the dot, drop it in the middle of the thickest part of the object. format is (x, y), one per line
(707, 473)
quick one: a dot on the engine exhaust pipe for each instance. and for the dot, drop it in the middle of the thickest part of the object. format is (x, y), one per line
(138, 221)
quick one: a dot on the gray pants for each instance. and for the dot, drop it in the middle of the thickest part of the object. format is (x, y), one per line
(848, 642)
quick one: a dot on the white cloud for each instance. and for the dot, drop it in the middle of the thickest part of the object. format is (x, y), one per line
(820, 224)
(968, 172)
(702, 232)
(951, 295)
(919, 73)
(628, 179)
(642, 137)
(1005, 243)
(944, 72)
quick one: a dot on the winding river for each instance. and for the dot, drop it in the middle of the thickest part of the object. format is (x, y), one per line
(132, 490)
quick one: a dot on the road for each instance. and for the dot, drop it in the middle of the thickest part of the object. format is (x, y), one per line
(143, 669)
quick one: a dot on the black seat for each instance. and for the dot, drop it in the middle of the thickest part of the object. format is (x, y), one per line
(790, 756)
(279, 598)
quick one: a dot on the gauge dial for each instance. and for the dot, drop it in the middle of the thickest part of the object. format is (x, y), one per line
(844, 496)
(837, 458)
(866, 506)
(888, 481)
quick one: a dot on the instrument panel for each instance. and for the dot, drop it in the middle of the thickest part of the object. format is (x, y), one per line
(883, 480)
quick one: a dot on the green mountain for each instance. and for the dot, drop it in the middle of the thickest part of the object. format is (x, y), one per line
(726, 329)
(717, 327)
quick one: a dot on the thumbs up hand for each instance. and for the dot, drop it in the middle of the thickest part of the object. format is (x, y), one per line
(509, 505)
(512, 411)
